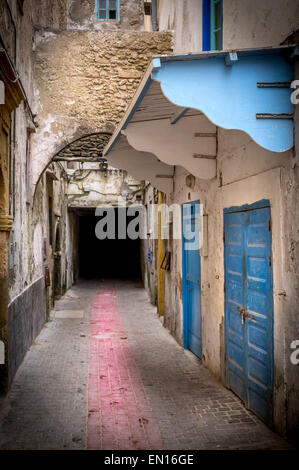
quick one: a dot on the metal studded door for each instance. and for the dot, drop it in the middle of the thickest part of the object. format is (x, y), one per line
(249, 306)
(192, 278)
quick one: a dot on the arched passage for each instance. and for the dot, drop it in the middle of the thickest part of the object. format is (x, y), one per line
(73, 244)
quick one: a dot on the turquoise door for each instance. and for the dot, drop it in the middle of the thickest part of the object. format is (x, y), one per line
(249, 306)
(191, 278)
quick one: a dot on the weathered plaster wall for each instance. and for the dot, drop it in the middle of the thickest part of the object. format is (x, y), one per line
(82, 15)
(84, 81)
(251, 23)
(246, 23)
(49, 14)
(94, 188)
(184, 17)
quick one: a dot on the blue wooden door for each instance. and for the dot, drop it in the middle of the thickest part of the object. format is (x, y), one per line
(191, 278)
(249, 306)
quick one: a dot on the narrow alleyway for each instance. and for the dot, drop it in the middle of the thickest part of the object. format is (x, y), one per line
(105, 374)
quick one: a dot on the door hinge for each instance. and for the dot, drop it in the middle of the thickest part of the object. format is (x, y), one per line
(270, 261)
(223, 237)
(224, 287)
(270, 225)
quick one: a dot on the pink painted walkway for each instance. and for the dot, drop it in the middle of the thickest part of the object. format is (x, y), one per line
(119, 414)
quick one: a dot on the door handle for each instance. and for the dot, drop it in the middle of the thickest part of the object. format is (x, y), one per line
(245, 314)
(242, 311)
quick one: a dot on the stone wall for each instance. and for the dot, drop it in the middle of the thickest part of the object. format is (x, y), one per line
(84, 82)
(27, 315)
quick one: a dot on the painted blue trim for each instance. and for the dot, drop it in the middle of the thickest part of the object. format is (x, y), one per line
(107, 11)
(180, 116)
(229, 96)
(247, 207)
(206, 15)
(221, 37)
(156, 63)
(206, 24)
(231, 58)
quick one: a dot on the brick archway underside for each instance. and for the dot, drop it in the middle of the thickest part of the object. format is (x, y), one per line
(87, 148)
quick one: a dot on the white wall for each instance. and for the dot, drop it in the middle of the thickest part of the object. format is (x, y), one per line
(255, 23)
(246, 23)
(185, 18)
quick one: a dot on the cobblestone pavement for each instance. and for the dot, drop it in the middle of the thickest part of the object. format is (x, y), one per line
(47, 404)
(47, 407)
(193, 410)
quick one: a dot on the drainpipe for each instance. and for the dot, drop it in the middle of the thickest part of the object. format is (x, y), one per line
(155, 15)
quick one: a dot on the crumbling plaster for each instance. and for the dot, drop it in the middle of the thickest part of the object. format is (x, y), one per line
(96, 188)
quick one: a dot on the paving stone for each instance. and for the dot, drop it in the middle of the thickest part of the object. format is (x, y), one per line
(177, 383)
(47, 404)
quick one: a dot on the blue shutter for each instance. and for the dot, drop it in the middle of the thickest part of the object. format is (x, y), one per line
(212, 25)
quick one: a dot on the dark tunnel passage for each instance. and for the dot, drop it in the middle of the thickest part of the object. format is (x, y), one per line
(108, 258)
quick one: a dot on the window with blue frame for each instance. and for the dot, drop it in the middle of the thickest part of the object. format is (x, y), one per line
(108, 10)
(212, 25)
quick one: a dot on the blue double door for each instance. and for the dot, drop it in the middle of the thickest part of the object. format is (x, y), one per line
(249, 306)
(192, 278)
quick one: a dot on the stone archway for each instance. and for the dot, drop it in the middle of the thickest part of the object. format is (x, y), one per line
(85, 148)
